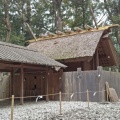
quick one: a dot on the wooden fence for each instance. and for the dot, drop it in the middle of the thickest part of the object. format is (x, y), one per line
(78, 82)
(74, 84)
(4, 85)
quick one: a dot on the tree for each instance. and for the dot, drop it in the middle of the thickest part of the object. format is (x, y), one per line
(113, 9)
(7, 20)
(57, 12)
(76, 13)
(50, 15)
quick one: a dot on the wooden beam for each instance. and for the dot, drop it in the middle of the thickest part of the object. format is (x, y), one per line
(22, 85)
(76, 59)
(97, 58)
(30, 71)
(93, 63)
(25, 66)
(34, 72)
(35, 67)
(9, 65)
(5, 70)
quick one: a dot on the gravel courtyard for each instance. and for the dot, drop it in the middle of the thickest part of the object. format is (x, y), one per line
(71, 111)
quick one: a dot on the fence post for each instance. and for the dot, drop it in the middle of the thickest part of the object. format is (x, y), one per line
(79, 76)
(100, 83)
(12, 107)
(107, 90)
(88, 98)
(60, 98)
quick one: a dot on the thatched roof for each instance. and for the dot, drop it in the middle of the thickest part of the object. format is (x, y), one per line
(79, 45)
(19, 54)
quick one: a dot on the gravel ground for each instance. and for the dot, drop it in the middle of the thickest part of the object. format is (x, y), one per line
(70, 110)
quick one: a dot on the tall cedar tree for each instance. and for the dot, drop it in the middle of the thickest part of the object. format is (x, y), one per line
(58, 19)
(7, 20)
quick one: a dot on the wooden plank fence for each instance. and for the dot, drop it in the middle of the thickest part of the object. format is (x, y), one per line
(94, 80)
(4, 85)
(75, 83)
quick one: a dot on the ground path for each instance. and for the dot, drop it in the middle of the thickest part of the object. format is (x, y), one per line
(71, 111)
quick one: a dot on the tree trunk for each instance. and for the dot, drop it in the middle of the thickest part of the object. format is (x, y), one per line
(83, 13)
(28, 21)
(92, 14)
(28, 15)
(58, 19)
(76, 15)
(117, 13)
(107, 9)
(7, 20)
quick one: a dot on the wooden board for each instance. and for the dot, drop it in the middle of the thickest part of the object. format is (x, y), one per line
(113, 95)
(107, 91)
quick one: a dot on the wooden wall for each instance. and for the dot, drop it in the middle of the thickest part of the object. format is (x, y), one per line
(70, 82)
(4, 85)
(113, 78)
(54, 84)
(80, 81)
(35, 84)
(84, 65)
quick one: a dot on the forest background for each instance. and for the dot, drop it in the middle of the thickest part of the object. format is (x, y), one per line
(52, 15)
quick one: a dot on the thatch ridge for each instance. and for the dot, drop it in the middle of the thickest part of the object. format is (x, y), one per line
(72, 33)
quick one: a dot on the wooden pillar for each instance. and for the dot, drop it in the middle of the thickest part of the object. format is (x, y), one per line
(47, 97)
(11, 84)
(22, 85)
(97, 58)
(58, 86)
(93, 63)
(79, 79)
(60, 80)
(50, 82)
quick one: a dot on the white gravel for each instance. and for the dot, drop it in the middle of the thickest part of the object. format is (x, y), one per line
(70, 110)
